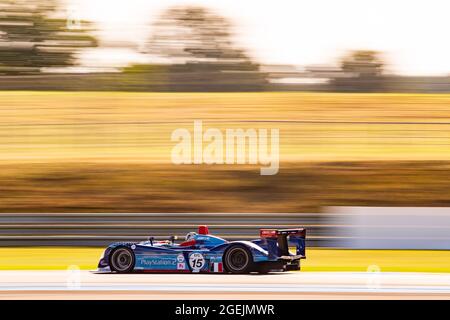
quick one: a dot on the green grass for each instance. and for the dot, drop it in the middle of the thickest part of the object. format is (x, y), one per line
(41, 258)
(377, 260)
(62, 258)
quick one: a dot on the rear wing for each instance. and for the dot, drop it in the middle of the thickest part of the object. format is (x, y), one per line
(279, 240)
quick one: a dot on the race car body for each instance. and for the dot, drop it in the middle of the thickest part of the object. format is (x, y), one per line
(275, 250)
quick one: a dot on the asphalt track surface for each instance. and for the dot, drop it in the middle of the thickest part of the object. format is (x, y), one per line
(290, 285)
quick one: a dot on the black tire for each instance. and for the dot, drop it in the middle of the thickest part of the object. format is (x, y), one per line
(122, 260)
(238, 259)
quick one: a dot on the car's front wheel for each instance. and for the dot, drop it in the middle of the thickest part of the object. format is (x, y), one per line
(122, 260)
(238, 259)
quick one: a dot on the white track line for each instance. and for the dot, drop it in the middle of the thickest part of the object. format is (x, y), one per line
(319, 282)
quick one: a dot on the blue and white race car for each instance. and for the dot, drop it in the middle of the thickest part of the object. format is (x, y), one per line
(275, 250)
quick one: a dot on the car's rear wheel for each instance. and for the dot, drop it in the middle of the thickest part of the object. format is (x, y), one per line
(238, 259)
(122, 260)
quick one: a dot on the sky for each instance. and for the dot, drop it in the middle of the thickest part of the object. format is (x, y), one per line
(412, 34)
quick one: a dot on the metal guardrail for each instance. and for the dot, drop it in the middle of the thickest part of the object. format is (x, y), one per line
(343, 227)
(99, 229)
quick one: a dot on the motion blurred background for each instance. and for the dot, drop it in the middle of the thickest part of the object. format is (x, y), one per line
(91, 91)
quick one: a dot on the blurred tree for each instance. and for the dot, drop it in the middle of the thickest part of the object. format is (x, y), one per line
(198, 45)
(30, 39)
(193, 34)
(361, 71)
(363, 64)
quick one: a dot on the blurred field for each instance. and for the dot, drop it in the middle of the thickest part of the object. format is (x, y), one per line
(113, 126)
(141, 187)
(110, 151)
(317, 259)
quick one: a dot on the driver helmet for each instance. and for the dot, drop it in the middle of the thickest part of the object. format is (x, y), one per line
(190, 236)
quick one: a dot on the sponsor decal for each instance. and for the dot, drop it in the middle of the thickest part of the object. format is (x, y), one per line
(181, 266)
(180, 258)
(196, 261)
(133, 247)
(158, 261)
